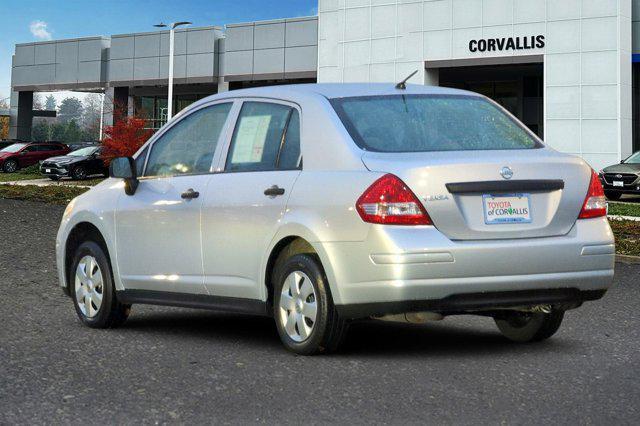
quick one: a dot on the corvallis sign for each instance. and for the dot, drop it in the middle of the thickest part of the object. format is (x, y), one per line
(507, 43)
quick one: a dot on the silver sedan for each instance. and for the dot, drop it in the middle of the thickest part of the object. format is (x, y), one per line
(321, 204)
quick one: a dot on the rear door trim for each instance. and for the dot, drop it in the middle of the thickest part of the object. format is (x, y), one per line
(505, 186)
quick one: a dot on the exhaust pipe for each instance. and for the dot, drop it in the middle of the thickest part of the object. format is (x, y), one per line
(412, 317)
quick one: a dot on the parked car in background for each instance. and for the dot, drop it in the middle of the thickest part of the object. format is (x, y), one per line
(20, 155)
(77, 164)
(623, 178)
(413, 203)
(79, 145)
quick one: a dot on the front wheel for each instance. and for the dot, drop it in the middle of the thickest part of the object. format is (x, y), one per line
(613, 196)
(525, 327)
(305, 315)
(79, 173)
(92, 288)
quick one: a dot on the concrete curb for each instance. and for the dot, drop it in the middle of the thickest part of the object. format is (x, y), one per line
(623, 258)
(617, 217)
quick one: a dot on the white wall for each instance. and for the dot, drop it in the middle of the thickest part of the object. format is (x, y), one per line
(587, 55)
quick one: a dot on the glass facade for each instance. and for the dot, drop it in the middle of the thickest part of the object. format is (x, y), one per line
(154, 108)
(518, 88)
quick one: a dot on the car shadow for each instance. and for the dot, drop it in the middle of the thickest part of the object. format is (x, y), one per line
(365, 338)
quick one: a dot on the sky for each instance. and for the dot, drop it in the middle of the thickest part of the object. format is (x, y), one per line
(23, 21)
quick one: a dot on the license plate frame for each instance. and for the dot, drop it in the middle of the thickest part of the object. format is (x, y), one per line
(47, 170)
(618, 183)
(525, 217)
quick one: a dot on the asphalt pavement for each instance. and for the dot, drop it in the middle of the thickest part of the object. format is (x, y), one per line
(169, 365)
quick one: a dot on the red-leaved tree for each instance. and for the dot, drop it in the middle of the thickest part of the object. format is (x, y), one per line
(124, 138)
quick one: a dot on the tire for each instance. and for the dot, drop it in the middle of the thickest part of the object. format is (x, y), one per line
(613, 196)
(525, 327)
(327, 331)
(10, 166)
(79, 173)
(110, 313)
(54, 178)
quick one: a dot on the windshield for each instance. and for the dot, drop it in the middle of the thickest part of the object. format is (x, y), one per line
(634, 159)
(14, 148)
(424, 123)
(84, 152)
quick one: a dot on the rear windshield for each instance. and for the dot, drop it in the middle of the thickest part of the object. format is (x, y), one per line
(424, 123)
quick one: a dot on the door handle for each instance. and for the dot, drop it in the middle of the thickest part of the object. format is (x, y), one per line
(190, 194)
(274, 191)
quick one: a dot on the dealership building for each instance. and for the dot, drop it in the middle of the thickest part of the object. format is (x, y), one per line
(566, 68)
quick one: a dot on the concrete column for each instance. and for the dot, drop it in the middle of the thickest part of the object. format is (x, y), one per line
(432, 77)
(24, 117)
(13, 115)
(122, 103)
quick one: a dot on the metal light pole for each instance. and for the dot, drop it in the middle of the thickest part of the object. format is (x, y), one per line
(172, 28)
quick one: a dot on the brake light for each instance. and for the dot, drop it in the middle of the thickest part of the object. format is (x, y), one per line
(595, 203)
(389, 201)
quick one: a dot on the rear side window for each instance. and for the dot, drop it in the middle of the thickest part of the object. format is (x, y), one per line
(266, 137)
(188, 147)
(424, 123)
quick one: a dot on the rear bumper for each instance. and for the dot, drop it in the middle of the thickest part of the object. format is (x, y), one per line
(415, 267)
(474, 302)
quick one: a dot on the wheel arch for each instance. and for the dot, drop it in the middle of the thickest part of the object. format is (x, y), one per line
(81, 232)
(290, 244)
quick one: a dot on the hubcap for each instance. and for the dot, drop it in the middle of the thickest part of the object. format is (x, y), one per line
(298, 307)
(11, 166)
(88, 285)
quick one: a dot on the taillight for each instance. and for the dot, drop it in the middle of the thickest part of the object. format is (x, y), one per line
(389, 201)
(595, 203)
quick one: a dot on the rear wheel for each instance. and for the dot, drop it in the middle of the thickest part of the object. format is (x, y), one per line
(305, 315)
(54, 178)
(10, 166)
(92, 288)
(529, 326)
(612, 195)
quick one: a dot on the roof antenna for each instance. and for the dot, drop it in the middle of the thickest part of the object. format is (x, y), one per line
(403, 84)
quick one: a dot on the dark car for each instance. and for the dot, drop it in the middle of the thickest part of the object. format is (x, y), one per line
(77, 164)
(623, 178)
(21, 155)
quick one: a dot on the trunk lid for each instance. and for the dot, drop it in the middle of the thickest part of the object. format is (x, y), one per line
(453, 186)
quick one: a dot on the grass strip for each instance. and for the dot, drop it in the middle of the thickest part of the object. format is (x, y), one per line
(624, 209)
(46, 194)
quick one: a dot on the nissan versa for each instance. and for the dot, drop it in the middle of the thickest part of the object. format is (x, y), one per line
(321, 204)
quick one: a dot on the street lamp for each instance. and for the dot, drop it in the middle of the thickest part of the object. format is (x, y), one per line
(172, 28)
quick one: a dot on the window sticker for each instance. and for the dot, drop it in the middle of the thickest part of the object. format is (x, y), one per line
(250, 139)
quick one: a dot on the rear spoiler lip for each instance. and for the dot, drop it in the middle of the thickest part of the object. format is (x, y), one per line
(539, 185)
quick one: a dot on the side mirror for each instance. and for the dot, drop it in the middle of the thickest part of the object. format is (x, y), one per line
(125, 168)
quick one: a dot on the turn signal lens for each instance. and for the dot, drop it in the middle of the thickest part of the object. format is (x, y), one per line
(595, 204)
(389, 201)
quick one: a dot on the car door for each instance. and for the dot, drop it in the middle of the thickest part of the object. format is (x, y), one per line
(158, 240)
(245, 201)
(29, 155)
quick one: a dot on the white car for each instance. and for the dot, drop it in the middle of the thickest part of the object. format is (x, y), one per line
(321, 204)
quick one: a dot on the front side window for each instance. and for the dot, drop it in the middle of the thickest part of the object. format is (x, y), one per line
(189, 145)
(261, 140)
(425, 123)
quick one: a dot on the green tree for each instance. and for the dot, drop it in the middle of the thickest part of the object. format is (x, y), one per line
(41, 131)
(50, 103)
(70, 109)
(72, 133)
(58, 131)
